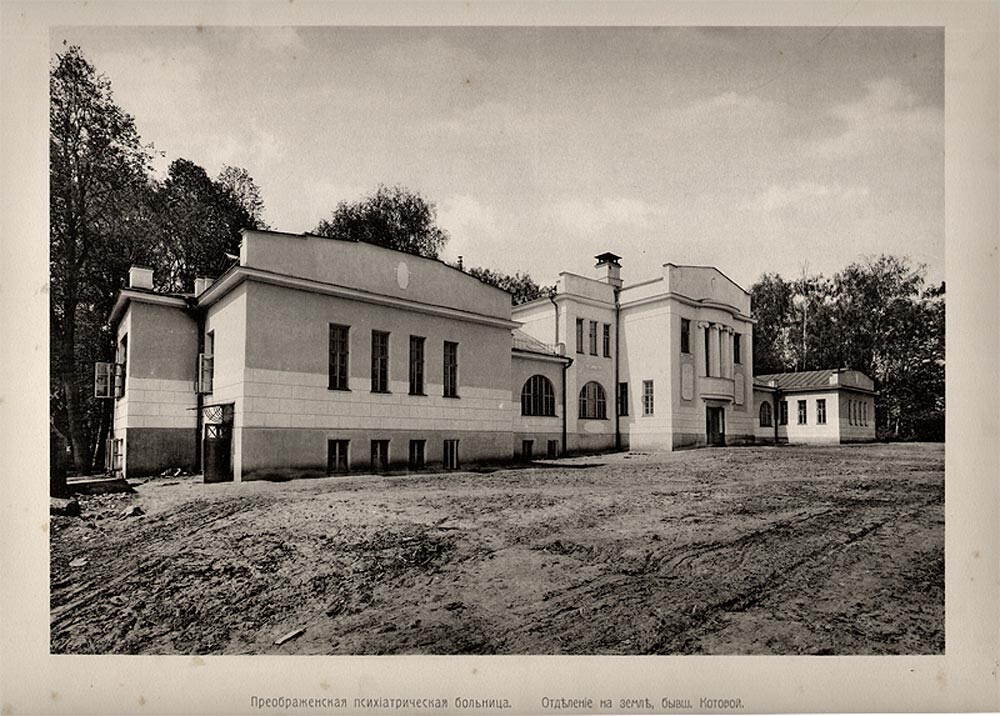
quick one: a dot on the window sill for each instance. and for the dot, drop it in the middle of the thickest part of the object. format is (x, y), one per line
(583, 418)
(452, 397)
(339, 390)
(381, 392)
(539, 415)
(420, 395)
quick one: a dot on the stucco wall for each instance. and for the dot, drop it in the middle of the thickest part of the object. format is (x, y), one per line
(290, 452)
(536, 427)
(286, 377)
(159, 388)
(372, 268)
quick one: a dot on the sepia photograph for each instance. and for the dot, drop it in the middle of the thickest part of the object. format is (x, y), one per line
(499, 357)
(497, 340)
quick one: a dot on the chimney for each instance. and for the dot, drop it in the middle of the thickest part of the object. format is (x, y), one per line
(608, 269)
(461, 265)
(201, 285)
(139, 277)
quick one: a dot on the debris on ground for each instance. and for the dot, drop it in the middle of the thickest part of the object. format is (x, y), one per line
(806, 550)
(295, 634)
(132, 511)
(66, 507)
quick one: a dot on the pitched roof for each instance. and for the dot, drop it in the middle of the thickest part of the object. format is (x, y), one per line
(802, 379)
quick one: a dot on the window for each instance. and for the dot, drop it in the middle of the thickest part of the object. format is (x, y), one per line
(338, 357)
(765, 415)
(623, 398)
(647, 397)
(821, 412)
(579, 335)
(450, 460)
(416, 365)
(864, 412)
(593, 338)
(685, 335)
(708, 362)
(450, 369)
(117, 452)
(553, 448)
(380, 454)
(607, 340)
(593, 402)
(538, 397)
(850, 412)
(783, 413)
(417, 449)
(121, 367)
(380, 362)
(526, 448)
(802, 412)
(336, 456)
(737, 349)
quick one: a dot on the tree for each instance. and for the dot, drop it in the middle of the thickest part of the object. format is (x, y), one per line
(393, 217)
(772, 308)
(521, 287)
(198, 222)
(244, 191)
(97, 172)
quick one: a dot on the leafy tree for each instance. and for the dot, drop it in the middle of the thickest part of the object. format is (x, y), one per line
(198, 222)
(244, 191)
(393, 217)
(875, 316)
(97, 176)
(521, 287)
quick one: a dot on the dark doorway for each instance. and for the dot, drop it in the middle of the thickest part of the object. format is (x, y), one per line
(217, 454)
(715, 426)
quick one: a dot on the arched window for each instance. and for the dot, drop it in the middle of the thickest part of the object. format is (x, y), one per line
(593, 403)
(765, 415)
(538, 397)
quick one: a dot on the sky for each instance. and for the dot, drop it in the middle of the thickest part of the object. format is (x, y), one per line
(756, 150)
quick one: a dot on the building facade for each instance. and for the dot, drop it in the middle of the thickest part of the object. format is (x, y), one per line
(314, 356)
(817, 406)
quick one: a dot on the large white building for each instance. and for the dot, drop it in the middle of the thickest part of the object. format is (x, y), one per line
(314, 356)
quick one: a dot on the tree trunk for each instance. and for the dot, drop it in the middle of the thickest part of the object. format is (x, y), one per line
(79, 444)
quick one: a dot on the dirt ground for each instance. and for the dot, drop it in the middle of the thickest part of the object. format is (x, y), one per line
(792, 550)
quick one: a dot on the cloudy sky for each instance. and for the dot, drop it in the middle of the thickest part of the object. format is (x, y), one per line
(755, 150)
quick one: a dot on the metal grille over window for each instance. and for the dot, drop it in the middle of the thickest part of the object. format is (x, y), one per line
(593, 402)
(538, 397)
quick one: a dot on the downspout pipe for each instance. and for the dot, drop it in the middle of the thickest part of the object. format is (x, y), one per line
(616, 387)
(565, 367)
(777, 414)
(199, 398)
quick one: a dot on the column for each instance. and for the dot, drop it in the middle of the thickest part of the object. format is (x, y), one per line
(727, 353)
(700, 348)
(714, 349)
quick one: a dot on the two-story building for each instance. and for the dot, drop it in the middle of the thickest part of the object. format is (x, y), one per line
(314, 356)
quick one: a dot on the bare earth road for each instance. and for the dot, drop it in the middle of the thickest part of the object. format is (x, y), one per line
(794, 550)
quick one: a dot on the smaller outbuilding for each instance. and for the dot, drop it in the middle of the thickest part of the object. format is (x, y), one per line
(815, 406)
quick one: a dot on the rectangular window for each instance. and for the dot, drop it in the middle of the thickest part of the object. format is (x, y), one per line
(783, 413)
(647, 397)
(607, 340)
(850, 412)
(864, 412)
(416, 365)
(450, 461)
(380, 362)
(737, 349)
(623, 398)
(339, 349)
(802, 412)
(336, 456)
(380, 455)
(526, 449)
(121, 367)
(450, 369)
(685, 335)
(553, 448)
(593, 338)
(708, 362)
(579, 335)
(821, 412)
(417, 449)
